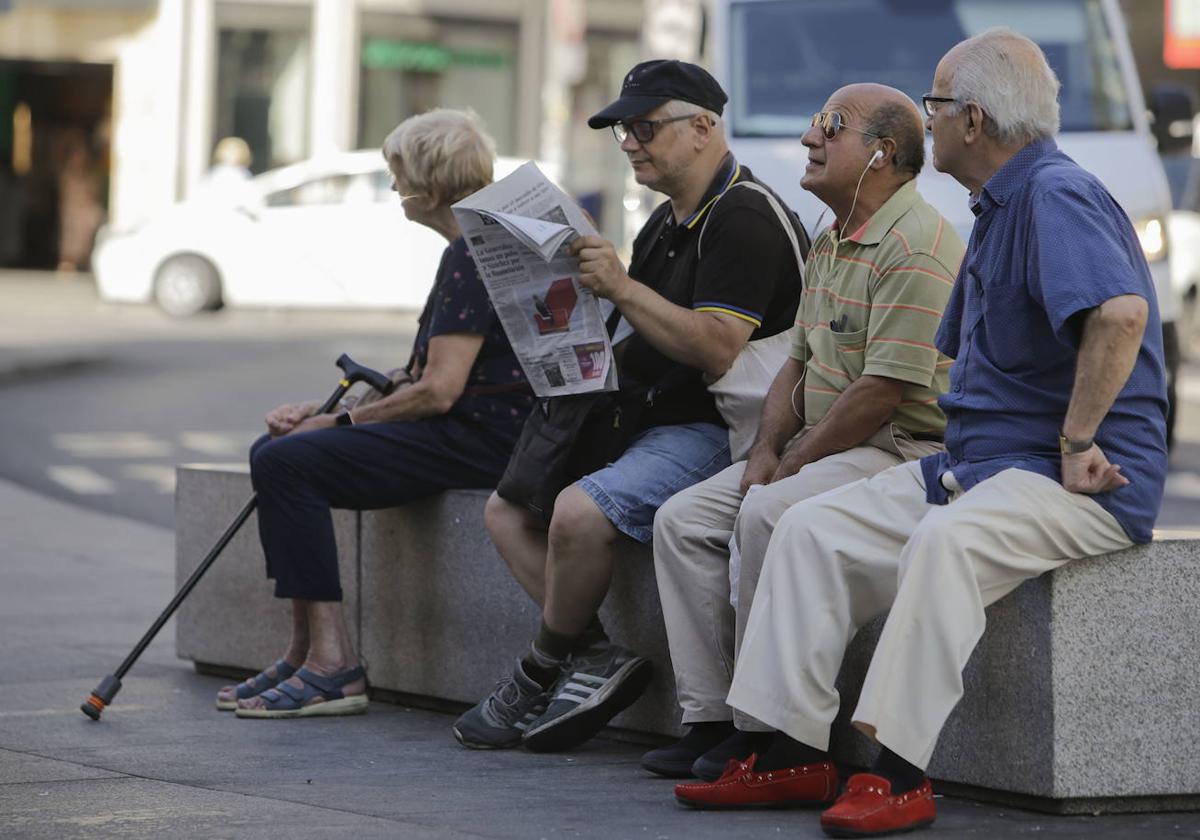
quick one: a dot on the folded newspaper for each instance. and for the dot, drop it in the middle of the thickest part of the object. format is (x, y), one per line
(518, 230)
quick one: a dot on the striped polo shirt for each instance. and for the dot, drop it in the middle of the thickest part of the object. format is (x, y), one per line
(871, 306)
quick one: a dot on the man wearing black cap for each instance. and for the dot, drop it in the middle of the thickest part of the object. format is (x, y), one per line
(684, 319)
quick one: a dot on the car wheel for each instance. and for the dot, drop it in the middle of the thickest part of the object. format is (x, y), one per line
(187, 284)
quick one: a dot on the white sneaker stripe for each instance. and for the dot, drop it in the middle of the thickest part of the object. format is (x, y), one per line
(599, 681)
(585, 690)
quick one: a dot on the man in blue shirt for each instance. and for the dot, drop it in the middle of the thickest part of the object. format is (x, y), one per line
(1055, 450)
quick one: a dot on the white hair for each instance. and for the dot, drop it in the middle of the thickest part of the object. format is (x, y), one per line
(680, 108)
(1007, 76)
(444, 154)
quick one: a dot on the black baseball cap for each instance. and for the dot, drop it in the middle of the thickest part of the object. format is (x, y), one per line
(652, 83)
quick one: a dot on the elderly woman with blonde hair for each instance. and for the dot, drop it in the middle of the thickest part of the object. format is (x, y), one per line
(451, 423)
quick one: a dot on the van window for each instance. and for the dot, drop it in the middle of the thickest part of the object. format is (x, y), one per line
(788, 56)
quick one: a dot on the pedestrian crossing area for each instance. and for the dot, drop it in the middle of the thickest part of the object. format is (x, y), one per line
(106, 463)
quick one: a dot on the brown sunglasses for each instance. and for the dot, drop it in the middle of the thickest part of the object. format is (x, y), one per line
(831, 122)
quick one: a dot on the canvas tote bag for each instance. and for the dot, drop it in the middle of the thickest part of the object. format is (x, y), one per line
(740, 392)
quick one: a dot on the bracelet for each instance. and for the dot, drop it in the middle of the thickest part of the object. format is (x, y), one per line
(344, 419)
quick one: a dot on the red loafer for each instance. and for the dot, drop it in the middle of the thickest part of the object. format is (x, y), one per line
(742, 787)
(868, 808)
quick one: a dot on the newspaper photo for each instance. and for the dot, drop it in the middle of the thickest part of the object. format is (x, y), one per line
(518, 230)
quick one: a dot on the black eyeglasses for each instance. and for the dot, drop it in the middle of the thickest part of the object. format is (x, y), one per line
(831, 122)
(932, 103)
(643, 130)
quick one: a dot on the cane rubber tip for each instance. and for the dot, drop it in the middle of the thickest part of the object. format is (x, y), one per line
(92, 707)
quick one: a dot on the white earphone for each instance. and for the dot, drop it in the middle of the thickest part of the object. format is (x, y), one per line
(878, 154)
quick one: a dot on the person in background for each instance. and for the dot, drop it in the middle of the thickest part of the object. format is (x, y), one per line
(225, 181)
(80, 211)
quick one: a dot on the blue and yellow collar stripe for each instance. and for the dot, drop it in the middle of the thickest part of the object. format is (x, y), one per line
(690, 221)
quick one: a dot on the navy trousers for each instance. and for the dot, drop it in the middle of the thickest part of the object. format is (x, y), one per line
(300, 478)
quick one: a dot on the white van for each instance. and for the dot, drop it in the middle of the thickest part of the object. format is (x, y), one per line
(780, 59)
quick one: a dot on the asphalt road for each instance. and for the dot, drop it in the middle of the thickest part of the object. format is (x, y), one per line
(128, 393)
(139, 393)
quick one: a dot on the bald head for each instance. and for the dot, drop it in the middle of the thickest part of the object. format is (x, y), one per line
(890, 113)
(1008, 77)
(895, 115)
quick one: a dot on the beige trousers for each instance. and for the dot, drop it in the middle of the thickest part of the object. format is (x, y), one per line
(836, 561)
(692, 533)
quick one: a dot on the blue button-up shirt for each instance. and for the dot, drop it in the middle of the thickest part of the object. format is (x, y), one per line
(1049, 243)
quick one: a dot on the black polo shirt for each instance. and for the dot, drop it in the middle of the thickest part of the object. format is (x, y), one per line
(748, 270)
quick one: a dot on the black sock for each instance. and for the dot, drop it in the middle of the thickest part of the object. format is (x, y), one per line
(561, 645)
(706, 734)
(591, 635)
(547, 653)
(541, 669)
(742, 744)
(903, 776)
(785, 752)
(553, 644)
(550, 649)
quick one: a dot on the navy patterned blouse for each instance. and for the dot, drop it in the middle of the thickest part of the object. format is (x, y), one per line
(497, 396)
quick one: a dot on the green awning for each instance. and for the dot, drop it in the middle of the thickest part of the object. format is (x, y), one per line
(423, 57)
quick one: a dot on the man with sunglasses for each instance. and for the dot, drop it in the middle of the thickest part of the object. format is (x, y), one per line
(857, 396)
(1058, 368)
(685, 317)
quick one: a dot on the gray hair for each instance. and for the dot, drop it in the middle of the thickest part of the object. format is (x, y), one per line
(444, 154)
(1007, 76)
(679, 108)
(904, 126)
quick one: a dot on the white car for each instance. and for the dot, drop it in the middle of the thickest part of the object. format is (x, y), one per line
(326, 232)
(1183, 233)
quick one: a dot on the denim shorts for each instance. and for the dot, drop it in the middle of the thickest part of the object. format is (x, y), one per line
(658, 464)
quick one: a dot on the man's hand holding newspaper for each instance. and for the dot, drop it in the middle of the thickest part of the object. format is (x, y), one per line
(600, 269)
(521, 232)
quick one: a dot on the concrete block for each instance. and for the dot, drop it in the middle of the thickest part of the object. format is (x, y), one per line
(1083, 688)
(232, 618)
(443, 617)
(1081, 695)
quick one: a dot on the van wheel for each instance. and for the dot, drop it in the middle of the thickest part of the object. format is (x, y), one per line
(187, 284)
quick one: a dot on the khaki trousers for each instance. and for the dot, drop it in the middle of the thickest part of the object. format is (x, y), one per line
(836, 561)
(692, 532)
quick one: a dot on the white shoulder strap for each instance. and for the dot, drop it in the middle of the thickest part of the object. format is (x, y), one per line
(779, 212)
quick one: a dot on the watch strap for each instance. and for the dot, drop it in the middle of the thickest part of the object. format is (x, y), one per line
(1073, 447)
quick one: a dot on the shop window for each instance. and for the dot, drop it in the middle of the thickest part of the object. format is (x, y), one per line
(407, 69)
(262, 93)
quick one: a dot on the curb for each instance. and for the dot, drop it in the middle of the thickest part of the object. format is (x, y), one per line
(21, 366)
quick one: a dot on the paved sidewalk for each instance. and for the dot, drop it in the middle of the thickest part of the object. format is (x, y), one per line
(78, 588)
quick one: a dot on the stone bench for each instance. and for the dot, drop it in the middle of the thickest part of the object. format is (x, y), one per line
(1083, 695)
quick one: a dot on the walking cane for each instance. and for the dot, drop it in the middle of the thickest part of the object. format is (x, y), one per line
(104, 693)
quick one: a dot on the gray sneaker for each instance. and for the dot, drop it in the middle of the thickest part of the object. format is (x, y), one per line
(596, 684)
(499, 720)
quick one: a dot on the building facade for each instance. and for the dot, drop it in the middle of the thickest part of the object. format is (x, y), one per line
(150, 87)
